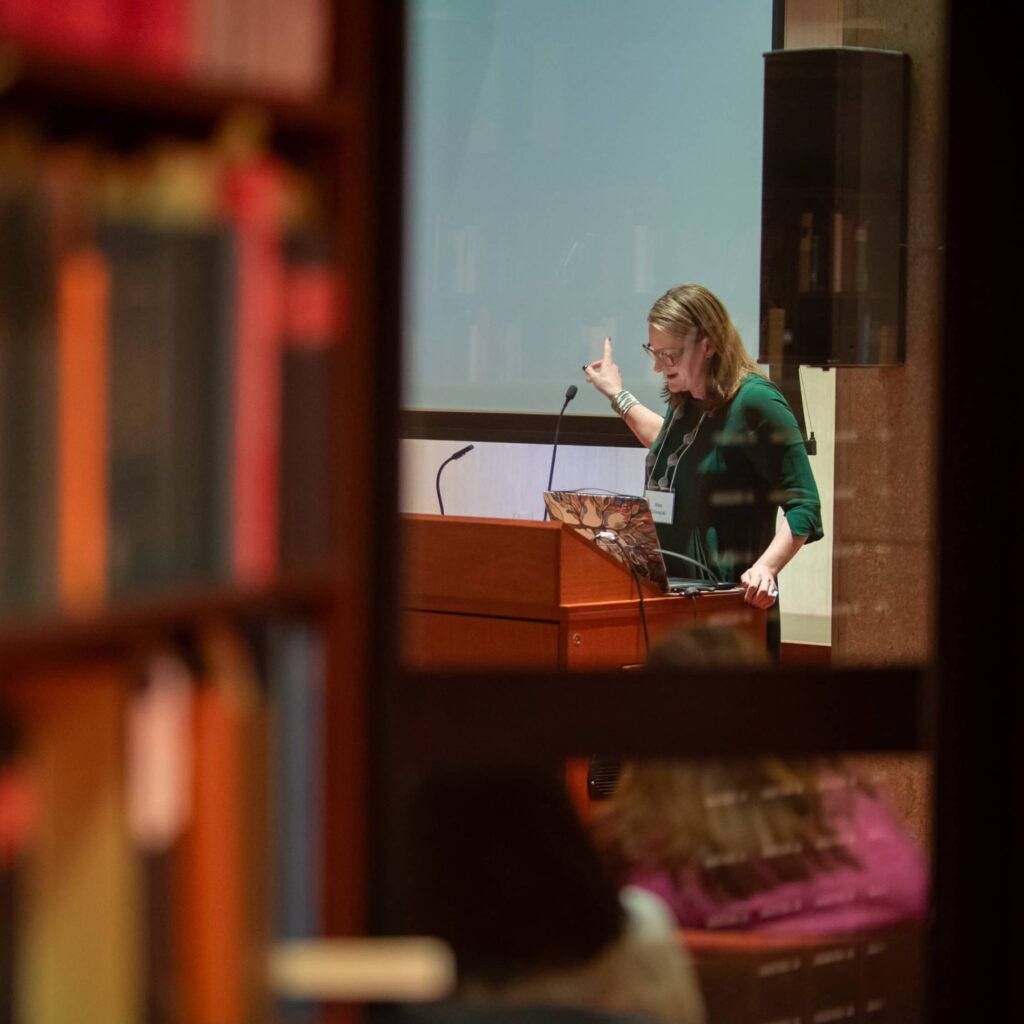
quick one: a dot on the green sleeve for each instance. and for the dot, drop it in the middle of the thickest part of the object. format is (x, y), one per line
(666, 422)
(781, 459)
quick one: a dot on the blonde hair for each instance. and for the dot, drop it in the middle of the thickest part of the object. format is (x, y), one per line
(689, 307)
(745, 824)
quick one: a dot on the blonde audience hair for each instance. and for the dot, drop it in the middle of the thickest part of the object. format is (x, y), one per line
(744, 824)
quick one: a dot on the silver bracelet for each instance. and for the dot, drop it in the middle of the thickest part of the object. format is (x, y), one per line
(623, 402)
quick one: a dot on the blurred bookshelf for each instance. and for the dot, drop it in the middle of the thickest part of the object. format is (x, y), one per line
(34, 80)
(244, 44)
(142, 624)
(181, 202)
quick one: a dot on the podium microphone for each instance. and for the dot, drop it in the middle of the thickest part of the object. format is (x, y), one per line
(570, 394)
(437, 480)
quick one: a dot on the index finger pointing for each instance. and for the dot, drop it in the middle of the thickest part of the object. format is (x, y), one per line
(607, 350)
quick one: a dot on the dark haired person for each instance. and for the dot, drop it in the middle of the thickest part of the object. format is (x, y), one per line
(725, 456)
(501, 868)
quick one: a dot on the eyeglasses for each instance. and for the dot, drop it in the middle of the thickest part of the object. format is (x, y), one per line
(670, 356)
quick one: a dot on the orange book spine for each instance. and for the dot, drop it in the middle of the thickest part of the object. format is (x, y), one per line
(83, 304)
(214, 924)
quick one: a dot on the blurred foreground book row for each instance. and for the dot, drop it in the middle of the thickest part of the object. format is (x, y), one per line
(167, 322)
(275, 47)
(160, 825)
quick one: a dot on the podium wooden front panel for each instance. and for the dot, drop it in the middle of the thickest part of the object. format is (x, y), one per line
(442, 640)
(496, 593)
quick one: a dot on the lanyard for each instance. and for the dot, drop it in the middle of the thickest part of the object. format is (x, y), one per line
(675, 458)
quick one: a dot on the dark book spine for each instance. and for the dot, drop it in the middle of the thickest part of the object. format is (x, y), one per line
(142, 412)
(28, 458)
(296, 687)
(200, 453)
(311, 314)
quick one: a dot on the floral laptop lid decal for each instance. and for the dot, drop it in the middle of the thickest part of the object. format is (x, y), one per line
(619, 524)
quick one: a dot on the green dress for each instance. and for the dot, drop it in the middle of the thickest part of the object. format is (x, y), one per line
(746, 460)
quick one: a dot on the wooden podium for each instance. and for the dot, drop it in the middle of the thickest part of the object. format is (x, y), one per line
(517, 594)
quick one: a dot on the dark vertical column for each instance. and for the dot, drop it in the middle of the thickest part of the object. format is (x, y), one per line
(383, 64)
(978, 947)
(362, 626)
(364, 430)
(778, 24)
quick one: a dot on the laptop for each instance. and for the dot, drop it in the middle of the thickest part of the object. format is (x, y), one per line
(622, 526)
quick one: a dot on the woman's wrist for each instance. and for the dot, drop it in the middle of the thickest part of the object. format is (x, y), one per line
(622, 401)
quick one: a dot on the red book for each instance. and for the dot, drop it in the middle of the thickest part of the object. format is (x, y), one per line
(254, 196)
(24, 20)
(18, 804)
(154, 34)
(85, 28)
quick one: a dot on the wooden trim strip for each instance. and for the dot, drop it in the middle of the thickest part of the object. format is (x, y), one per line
(515, 428)
(486, 717)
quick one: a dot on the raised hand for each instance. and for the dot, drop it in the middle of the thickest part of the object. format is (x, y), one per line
(604, 374)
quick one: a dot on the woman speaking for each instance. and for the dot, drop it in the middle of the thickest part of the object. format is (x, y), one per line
(726, 454)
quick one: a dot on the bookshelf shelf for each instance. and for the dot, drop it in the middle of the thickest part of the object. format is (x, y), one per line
(37, 80)
(115, 629)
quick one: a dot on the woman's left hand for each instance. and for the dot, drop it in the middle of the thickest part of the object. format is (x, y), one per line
(761, 589)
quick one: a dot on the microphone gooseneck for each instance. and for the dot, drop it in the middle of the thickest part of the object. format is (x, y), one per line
(437, 480)
(570, 394)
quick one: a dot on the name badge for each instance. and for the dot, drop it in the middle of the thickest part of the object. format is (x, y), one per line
(662, 504)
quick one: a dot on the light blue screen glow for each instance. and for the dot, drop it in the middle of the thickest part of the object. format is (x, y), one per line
(570, 160)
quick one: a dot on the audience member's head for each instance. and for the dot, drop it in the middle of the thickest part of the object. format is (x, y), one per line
(502, 869)
(745, 824)
(707, 647)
